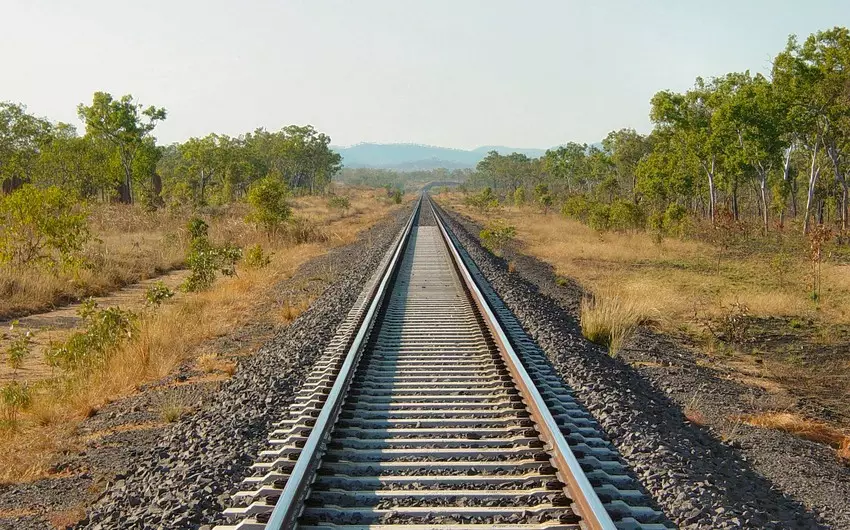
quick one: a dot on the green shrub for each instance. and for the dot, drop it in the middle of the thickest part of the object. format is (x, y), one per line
(19, 347)
(542, 197)
(42, 225)
(626, 215)
(496, 235)
(269, 200)
(103, 330)
(396, 195)
(483, 201)
(519, 196)
(338, 202)
(255, 258)
(205, 260)
(577, 207)
(157, 293)
(14, 397)
(676, 220)
(599, 217)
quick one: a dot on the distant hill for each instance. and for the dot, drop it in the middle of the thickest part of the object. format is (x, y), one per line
(410, 157)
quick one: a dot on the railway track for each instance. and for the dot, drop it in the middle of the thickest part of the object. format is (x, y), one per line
(432, 409)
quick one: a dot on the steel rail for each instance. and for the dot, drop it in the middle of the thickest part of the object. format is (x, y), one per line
(590, 507)
(290, 504)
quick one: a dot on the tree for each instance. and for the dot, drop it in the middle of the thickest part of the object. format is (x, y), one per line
(123, 124)
(41, 226)
(625, 149)
(269, 201)
(752, 115)
(812, 78)
(21, 138)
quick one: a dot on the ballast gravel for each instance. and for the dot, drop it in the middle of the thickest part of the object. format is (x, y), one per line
(188, 478)
(699, 480)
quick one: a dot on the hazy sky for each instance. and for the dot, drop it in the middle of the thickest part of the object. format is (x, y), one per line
(458, 73)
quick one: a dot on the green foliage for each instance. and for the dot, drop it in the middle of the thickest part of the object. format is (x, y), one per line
(599, 217)
(542, 196)
(577, 207)
(496, 235)
(269, 200)
(676, 220)
(206, 260)
(339, 202)
(484, 201)
(396, 195)
(626, 215)
(103, 330)
(14, 397)
(157, 293)
(519, 196)
(256, 258)
(19, 347)
(44, 226)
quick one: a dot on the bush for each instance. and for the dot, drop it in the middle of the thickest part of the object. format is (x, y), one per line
(577, 207)
(484, 201)
(103, 330)
(269, 200)
(255, 258)
(395, 195)
(496, 235)
(676, 220)
(42, 225)
(338, 202)
(519, 196)
(542, 197)
(205, 260)
(626, 215)
(599, 217)
(157, 293)
(19, 347)
(14, 397)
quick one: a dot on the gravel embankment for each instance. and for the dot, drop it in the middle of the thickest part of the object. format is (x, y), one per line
(185, 480)
(756, 479)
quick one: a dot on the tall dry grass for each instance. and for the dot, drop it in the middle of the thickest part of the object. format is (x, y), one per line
(173, 334)
(610, 320)
(681, 277)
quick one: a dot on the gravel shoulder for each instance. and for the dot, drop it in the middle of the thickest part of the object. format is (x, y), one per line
(133, 469)
(716, 474)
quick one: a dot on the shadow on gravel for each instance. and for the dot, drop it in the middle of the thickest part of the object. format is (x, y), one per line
(700, 481)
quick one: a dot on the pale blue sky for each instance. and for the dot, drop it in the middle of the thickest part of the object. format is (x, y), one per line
(459, 73)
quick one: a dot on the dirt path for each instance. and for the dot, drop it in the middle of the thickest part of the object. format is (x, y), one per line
(54, 326)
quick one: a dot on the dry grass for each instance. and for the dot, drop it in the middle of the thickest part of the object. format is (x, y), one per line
(797, 425)
(210, 363)
(683, 278)
(609, 319)
(170, 335)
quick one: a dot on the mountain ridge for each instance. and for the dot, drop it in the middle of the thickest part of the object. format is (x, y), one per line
(410, 156)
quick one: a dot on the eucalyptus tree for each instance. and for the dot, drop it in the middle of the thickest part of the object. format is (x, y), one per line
(625, 149)
(688, 117)
(123, 124)
(79, 164)
(750, 118)
(813, 78)
(22, 137)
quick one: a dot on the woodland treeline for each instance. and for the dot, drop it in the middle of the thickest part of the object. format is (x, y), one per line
(739, 146)
(117, 158)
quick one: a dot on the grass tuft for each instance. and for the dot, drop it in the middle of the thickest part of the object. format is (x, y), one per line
(609, 319)
(797, 425)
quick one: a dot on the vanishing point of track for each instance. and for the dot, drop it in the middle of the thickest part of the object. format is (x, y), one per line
(432, 410)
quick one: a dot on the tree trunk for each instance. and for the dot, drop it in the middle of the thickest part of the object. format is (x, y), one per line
(712, 197)
(836, 166)
(763, 193)
(814, 172)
